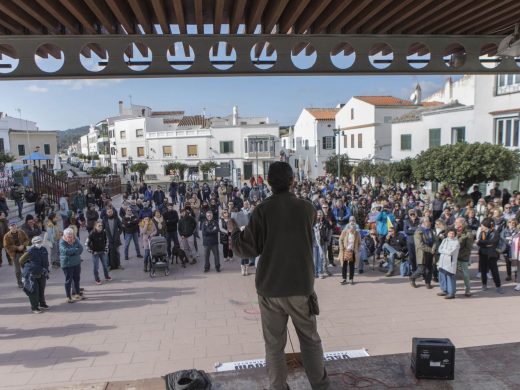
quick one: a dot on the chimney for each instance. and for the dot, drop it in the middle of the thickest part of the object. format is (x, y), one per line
(120, 107)
(235, 115)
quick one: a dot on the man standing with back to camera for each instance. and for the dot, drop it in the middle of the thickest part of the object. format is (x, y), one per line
(280, 231)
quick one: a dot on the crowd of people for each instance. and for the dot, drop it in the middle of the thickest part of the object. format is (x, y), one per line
(406, 229)
(432, 237)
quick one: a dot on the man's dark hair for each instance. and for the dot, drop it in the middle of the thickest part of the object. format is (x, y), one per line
(280, 176)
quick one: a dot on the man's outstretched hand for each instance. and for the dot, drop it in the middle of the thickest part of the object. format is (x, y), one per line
(232, 225)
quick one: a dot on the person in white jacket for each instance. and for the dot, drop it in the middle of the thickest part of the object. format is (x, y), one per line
(447, 265)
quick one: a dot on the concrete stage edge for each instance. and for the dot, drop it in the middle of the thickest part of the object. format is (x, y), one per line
(477, 368)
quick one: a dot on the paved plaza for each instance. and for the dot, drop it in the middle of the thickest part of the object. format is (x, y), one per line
(136, 327)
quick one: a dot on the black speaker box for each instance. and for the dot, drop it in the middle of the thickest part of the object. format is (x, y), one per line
(433, 358)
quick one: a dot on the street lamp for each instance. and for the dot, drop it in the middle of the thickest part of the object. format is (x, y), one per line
(338, 132)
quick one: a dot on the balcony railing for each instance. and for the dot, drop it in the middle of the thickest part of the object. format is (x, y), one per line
(259, 155)
(179, 134)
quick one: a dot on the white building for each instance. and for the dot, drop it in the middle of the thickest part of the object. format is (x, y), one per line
(246, 145)
(8, 122)
(366, 125)
(476, 108)
(312, 141)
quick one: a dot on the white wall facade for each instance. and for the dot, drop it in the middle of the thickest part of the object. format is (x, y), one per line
(308, 136)
(8, 122)
(369, 124)
(163, 144)
(444, 120)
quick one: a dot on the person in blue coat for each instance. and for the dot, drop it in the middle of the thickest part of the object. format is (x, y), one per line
(70, 262)
(35, 272)
(382, 227)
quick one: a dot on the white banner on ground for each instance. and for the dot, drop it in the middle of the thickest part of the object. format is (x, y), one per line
(328, 356)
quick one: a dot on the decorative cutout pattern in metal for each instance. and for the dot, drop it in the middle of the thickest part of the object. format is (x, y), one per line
(98, 56)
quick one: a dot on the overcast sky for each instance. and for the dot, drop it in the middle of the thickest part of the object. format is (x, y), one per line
(63, 104)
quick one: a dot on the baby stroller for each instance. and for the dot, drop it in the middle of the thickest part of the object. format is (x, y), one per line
(158, 255)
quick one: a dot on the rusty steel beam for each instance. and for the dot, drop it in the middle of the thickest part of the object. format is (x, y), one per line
(272, 15)
(347, 15)
(311, 13)
(19, 15)
(82, 13)
(103, 14)
(160, 14)
(123, 15)
(237, 15)
(62, 15)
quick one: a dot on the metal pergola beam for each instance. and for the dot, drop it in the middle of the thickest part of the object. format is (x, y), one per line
(26, 46)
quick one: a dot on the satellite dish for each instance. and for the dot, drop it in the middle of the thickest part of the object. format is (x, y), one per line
(510, 45)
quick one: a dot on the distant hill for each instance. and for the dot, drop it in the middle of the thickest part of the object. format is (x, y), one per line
(70, 136)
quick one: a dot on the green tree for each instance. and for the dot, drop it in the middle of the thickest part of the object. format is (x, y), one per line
(331, 165)
(401, 171)
(5, 158)
(364, 168)
(207, 167)
(140, 168)
(462, 164)
(178, 168)
(380, 171)
(100, 171)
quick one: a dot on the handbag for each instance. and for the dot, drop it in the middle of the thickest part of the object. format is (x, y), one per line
(348, 255)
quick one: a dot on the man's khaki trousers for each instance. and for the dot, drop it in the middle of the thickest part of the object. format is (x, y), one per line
(275, 313)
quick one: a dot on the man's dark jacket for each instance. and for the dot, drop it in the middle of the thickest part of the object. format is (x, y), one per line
(171, 219)
(280, 231)
(114, 240)
(187, 226)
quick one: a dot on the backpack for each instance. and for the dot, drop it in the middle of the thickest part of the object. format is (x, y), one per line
(405, 269)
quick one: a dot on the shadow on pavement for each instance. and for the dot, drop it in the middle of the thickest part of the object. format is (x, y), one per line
(57, 331)
(43, 357)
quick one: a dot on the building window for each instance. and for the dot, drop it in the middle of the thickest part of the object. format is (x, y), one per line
(458, 134)
(140, 151)
(266, 167)
(139, 133)
(345, 144)
(123, 152)
(508, 83)
(21, 150)
(293, 143)
(351, 114)
(329, 143)
(167, 151)
(284, 144)
(192, 151)
(226, 146)
(387, 119)
(360, 140)
(47, 148)
(245, 145)
(306, 144)
(435, 138)
(2, 148)
(406, 142)
(296, 163)
(506, 131)
(352, 139)
(122, 134)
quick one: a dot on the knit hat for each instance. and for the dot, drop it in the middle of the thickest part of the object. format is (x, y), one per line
(37, 240)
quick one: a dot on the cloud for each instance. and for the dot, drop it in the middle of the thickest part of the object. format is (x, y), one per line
(77, 85)
(36, 89)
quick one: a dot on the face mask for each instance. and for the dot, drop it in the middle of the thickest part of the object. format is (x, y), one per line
(38, 245)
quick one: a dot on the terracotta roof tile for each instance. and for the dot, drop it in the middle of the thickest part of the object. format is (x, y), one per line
(323, 114)
(508, 111)
(194, 120)
(384, 101)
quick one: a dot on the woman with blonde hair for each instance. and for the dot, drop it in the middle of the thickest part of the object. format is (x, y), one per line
(147, 230)
(349, 248)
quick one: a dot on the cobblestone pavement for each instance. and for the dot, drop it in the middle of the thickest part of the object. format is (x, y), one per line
(138, 327)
